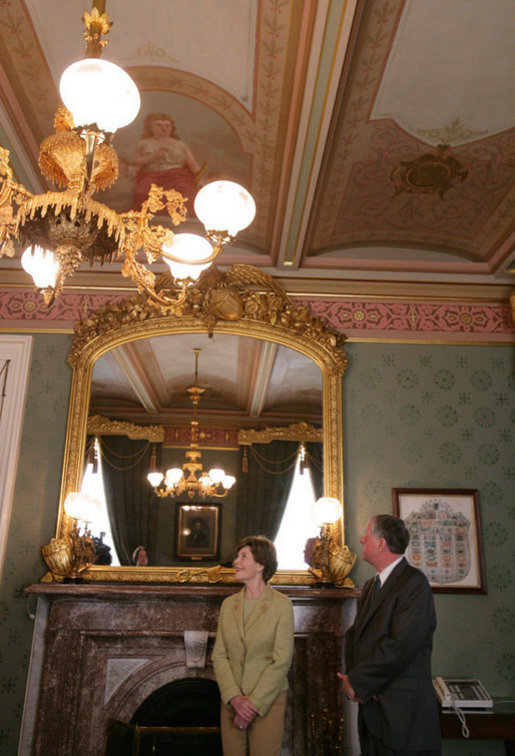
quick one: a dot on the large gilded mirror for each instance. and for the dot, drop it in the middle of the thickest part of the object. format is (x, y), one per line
(269, 370)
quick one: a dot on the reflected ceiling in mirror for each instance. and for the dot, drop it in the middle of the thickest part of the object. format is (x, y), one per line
(247, 382)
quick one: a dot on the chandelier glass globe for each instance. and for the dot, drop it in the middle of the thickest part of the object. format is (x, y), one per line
(41, 264)
(98, 91)
(225, 206)
(191, 248)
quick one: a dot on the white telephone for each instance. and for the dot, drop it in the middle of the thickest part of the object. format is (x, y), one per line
(464, 694)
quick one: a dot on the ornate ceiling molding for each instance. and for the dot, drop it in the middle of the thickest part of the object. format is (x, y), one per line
(294, 432)
(102, 426)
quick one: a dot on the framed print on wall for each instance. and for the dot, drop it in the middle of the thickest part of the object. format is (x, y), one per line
(445, 536)
(198, 531)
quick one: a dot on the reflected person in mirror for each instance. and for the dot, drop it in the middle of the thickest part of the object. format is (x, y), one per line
(140, 556)
(310, 552)
(252, 654)
(388, 650)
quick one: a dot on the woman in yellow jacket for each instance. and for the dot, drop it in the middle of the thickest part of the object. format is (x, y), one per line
(252, 655)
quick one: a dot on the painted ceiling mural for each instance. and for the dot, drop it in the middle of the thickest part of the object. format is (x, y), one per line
(376, 137)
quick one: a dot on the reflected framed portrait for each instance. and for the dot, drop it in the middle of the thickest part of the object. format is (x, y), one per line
(445, 536)
(198, 531)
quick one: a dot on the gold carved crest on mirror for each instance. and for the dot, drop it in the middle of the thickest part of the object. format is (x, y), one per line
(242, 302)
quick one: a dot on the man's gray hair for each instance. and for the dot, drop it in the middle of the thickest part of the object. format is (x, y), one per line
(393, 530)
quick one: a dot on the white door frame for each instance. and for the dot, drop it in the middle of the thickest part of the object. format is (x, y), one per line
(18, 350)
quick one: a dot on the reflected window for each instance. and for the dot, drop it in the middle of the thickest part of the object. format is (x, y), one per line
(297, 523)
(93, 485)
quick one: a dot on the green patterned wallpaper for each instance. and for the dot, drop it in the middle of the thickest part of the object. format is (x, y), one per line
(435, 416)
(414, 416)
(33, 521)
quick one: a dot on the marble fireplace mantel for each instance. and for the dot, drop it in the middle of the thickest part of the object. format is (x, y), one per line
(100, 650)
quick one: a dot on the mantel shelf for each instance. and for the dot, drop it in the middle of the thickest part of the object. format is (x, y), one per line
(186, 591)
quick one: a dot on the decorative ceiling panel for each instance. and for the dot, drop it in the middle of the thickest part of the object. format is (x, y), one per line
(329, 111)
(462, 201)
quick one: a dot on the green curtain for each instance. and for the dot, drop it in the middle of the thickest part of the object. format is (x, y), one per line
(315, 452)
(263, 490)
(132, 504)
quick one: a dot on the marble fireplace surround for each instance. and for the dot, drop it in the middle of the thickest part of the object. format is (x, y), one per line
(100, 650)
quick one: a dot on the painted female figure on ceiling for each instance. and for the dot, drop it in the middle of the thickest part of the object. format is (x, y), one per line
(162, 158)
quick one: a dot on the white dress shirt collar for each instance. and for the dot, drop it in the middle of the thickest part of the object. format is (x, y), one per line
(384, 574)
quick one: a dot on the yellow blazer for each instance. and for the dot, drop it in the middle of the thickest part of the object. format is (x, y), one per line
(254, 659)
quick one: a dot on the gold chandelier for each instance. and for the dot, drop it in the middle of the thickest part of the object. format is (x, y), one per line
(191, 480)
(61, 229)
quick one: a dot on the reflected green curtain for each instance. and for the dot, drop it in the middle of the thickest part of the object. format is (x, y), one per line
(315, 452)
(90, 440)
(132, 504)
(263, 490)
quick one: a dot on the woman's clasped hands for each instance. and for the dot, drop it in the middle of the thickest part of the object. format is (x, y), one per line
(245, 711)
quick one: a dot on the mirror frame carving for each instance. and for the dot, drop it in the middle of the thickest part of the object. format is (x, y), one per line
(242, 301)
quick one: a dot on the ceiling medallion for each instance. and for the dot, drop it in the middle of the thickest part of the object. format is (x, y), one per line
(430, 173)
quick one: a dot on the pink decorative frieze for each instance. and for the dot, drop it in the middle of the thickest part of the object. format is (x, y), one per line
(418, 318)
(219, 438)
(480, 321)
(21, 307)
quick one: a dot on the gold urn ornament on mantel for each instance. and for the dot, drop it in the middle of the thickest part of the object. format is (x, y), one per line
(331, 562)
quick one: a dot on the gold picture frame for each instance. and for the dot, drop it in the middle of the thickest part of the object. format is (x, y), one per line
(198, 531)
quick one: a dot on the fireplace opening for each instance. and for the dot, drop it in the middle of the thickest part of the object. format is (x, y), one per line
(189, 702)
(181, 718)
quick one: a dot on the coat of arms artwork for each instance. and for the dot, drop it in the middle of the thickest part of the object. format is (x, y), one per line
(445, 536)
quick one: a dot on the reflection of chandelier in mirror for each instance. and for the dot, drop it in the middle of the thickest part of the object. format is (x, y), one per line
(61, 229)
(191, 480)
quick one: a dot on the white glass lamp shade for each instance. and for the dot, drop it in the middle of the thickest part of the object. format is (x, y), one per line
(81, 506)
(173, 476)
(98, 91)
(228, 481)
(205, 480)
(155, 478)
(326, 510)
(193, 250)
(41, 264)
(225, 206)
(216, 474)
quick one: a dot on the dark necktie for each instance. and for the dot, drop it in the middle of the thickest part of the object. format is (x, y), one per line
(376, 587)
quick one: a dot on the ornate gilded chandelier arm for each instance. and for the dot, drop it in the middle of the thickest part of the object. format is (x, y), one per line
(138, 232)
(10, 191)
(140, 235)
(146, 283)
(97, 23)
(173, 200)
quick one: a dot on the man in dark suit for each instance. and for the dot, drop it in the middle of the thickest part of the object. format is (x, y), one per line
(388, 650)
